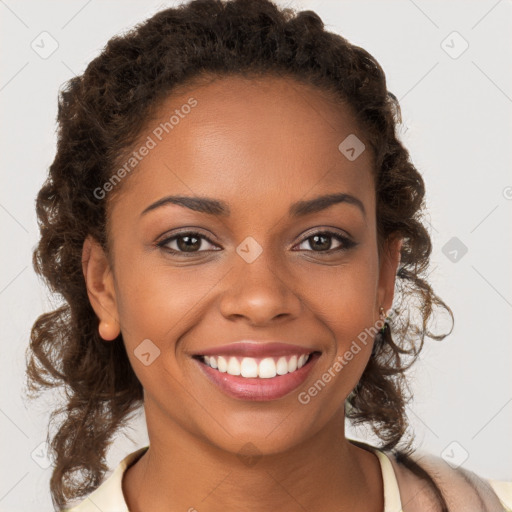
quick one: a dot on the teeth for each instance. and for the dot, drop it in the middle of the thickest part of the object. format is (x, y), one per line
(233, 366)
(249, 367)
(222, 364)
(267, 368)
(282, 366)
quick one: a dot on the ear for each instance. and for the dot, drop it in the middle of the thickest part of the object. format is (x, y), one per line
(389, 261)
(100, 288)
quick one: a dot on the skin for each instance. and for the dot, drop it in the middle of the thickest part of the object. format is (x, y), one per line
(258, 145)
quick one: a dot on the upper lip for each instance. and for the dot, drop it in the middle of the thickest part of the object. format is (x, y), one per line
(255, 349)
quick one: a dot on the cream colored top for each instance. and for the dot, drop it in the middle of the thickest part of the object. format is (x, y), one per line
(108, 497)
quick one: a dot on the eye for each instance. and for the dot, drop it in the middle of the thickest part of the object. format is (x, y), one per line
(321, 242)
(188, 243)
(185, 243)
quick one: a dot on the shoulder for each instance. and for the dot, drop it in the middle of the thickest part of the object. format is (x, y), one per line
(461, 488)
(109, 497)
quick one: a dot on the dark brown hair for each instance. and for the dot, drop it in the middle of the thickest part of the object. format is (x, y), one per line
(99, 117)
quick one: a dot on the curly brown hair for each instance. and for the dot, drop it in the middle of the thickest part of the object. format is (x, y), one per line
(100, 115)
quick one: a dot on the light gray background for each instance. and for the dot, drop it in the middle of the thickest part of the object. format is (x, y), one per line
(457, 126)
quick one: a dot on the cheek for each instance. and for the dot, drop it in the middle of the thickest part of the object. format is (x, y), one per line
(157, 301)
(343, 297)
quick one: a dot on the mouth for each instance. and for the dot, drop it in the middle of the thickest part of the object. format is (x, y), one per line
(257, 378)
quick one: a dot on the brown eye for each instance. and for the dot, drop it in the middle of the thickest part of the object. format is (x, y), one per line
(183, 243)
(322, 242)
(188, 243)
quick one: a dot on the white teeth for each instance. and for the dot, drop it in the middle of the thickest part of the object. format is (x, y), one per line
(223, 364)
(233, 366)
(267, 368)
(249, 367)
(282, 366)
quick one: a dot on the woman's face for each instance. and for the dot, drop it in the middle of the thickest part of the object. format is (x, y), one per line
(254, 271)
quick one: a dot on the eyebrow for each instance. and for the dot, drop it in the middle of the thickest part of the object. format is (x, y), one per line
(219, 208)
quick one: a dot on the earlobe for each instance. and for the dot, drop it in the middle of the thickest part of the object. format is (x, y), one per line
(100, 288)
(108, 331)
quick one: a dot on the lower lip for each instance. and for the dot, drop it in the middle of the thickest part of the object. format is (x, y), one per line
(255, 388)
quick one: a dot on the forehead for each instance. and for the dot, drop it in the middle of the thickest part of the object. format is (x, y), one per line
(249, 141)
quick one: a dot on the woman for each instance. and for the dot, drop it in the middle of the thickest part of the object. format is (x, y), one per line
(227, 217)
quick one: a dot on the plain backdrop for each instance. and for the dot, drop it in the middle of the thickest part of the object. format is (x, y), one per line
(447, 62)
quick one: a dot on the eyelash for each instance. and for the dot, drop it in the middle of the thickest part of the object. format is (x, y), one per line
(347, 243)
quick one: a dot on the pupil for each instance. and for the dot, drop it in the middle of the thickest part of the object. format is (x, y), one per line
(187, 246)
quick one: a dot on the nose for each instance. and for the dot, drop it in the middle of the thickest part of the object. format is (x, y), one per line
(259, 292)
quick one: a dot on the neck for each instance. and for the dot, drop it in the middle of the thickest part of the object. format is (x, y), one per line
(182, 471)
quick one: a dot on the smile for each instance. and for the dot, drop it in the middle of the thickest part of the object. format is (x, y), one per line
(256, 379)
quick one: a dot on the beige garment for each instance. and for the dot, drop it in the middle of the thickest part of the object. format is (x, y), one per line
(403, 491)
